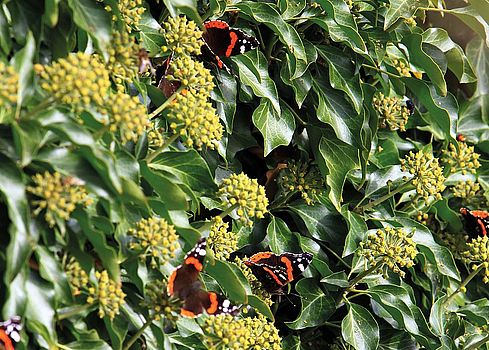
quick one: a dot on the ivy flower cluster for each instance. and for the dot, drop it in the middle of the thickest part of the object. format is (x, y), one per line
(60, 196)
(463, 159)
(427, 174)
(80, 80)
(77, 277)
(390, 248)
(182, 36)
(477, 255)
(220, 240)
(123, 57)
(154, 135)
(126, 115)
(245, 195)
(402, 68)
(225, 332)
(156, 239)
(470, 193)
(192, 74)
(193, 118)
(108, 294)
(130, 12)
(9, 79)
(303, 178)
(159, 303)
(392, 112)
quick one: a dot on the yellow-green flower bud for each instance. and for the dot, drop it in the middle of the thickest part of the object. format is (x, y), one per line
(123, 62)
(191, 74)
(476, 255)
(154, 238)
(220, 240)
(303, 178)
(402, 68)
(160, 303)
(392, 112)
(109, 295)
(245, 195)
(182, 36)
(465, 159)
(77, 277)
(9, 84)
(60, 196)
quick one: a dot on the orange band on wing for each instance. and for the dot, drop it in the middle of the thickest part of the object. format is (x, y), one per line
(480, 213)
(482, 226)
(6, 340)
(171, 282)
(194, 261)
(274, 276)
(187, 313)
(290, 269)
(260, 256)
(234, 39)
(214, 303)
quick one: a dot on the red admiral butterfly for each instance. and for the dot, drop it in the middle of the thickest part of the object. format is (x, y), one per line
(10, 332)
(223, 41)
(476, 222)
(275, 271)
(184, 283)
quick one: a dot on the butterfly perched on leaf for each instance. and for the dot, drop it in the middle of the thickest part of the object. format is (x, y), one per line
(276, 271)
(184, 283)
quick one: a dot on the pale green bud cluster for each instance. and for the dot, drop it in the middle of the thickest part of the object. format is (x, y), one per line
(477, 254)
(303, 178)
(463, 159)
(392, 112)
(108, 294)
(220, 240)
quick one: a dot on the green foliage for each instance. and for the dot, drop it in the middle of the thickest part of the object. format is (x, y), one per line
(309, 145)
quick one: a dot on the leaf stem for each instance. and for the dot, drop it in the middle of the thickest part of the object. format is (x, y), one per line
(270, 47)
(293, 112)
(386, 196)
(434, 9)
(166, 103)
(354, 282)
(157, 151)
(381, 71)
(73, 311)
(463, 284)
(137, 335)
(43, 105)
(334, 253)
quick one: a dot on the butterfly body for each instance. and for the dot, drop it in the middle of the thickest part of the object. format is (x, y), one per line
(221, 40)
(276, 271)
(184, 283)
(476, 222)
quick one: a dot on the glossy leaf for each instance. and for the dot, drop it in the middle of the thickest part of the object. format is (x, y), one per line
(401, 9)
(359, 328)
(92, 17)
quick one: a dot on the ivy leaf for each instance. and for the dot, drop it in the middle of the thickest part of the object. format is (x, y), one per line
(92, 18)
(359, 328)
(151, 37)
(277, 129)
(252, 63)
(187, 7)
(317, 307)
(402, 9)
(470, 16)
(478, 55)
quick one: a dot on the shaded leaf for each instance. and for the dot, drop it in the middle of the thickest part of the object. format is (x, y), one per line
(359, 328)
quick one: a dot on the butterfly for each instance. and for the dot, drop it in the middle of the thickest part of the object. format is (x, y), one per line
(276, 271)
(476, 222)
(10, 332)
(168, 87)
(184, 283)
(221, 40)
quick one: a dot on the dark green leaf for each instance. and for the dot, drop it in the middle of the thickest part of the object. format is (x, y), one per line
(151, 37)
(22, 62)
(281, 239)
(260, 306)
(228, 280)
(402, 9)
(92, 17)
(338, 279)
(359, 328)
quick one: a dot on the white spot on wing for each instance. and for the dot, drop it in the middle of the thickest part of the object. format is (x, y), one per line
(301, 267)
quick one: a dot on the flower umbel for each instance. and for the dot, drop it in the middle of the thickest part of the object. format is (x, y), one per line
(303, 178)
(60, 196)
(220, 240)
(182, 36)
(154, 135)
(191, 74)
(127, 115)
(154, 238)
(427, 174)
(225, 332)
(159, 303)
(78, 80)
(108, 293)
(465, 159)
(402, 68)
(9, 84)
(477, 254)
(77, 277)
(470, 193)
(123, 57)
(193, 118)
(390, 248)
(392, 112)
(246, 195)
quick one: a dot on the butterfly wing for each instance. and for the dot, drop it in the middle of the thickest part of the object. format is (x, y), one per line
(476, 222)
(10, 332)
(210, 302)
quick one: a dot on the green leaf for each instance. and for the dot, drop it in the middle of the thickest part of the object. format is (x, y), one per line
(226, 99)
(22, 62)
(340, 158)
(189, 167)
(317, 307)
(22, 240)
(357, 227)
(92, 18)
(228, 280)
(418, 56)
(51, 12)
(255, 62)
(260, 306)
(150, 31)
(267, 14)
(438, 317)
(175, 198)
(342, 74)
(338, 279)
(281, 239)
(457, 61)
(470, 16)
(359, 328)
(291, 8)
(187, 7)
(478, 55)
(51, 271)
(402, 9)
(473, 121)
(277, 129)
(442, 116)
(292, 342)
(27, 137)
(5, 39)
(92, 344)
